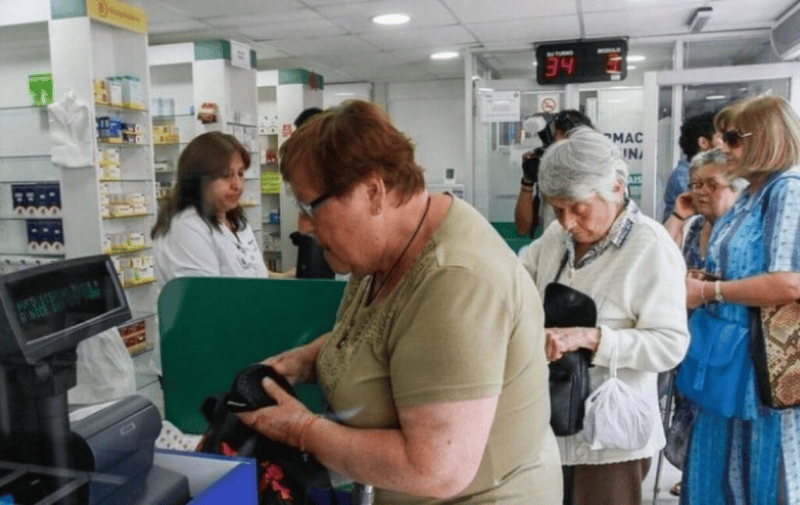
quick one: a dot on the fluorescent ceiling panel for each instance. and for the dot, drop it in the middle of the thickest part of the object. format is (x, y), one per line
(355, 17)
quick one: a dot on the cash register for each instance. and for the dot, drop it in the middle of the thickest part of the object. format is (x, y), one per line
(104, 455)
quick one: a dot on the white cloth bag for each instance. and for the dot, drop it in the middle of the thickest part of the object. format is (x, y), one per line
(617, 416)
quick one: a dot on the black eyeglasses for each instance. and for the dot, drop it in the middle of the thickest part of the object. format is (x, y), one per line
(733, 137)
(307, 209)
(710, 184)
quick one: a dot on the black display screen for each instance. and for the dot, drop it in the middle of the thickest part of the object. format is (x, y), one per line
(583, 61)
(54, 301)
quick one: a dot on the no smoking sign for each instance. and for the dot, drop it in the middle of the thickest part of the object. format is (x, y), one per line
(548, 103)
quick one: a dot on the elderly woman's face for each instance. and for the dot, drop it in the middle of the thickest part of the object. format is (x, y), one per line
(588, 221)
(341, 225)
(711, 193)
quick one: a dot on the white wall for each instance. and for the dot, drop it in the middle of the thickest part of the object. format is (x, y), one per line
(432, 114)
(173, 82)
(25, 51)
(17, 12)
(334, 94)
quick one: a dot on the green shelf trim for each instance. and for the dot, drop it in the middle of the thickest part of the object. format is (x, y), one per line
(60, 9)
(218, 49)
(301, 76)
(212, 50)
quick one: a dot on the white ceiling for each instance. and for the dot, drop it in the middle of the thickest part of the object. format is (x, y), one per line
(336, 39)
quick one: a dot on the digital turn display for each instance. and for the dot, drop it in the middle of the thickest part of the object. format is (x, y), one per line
(584, 61)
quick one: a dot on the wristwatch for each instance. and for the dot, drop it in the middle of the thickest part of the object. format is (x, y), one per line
(718, 292)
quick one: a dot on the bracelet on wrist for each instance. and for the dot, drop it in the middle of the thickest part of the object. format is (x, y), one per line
(526, 183)
(702, 292)
(718, 292)
(675, 213)
(301, 436)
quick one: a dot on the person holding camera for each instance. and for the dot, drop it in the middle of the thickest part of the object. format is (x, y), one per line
(528, 212)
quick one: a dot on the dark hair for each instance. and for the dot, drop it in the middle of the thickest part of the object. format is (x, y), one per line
(701, 125)
(306, 115)
(204, 159)
(568, 119)
(344, 145)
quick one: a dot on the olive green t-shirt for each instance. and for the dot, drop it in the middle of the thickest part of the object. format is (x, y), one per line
(465, 323)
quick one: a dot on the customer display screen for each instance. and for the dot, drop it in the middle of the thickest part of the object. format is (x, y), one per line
(58, 300)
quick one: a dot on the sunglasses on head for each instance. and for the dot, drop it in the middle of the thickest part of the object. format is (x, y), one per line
(734, 137)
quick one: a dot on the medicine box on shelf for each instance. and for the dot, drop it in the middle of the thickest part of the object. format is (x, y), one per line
(45, 235)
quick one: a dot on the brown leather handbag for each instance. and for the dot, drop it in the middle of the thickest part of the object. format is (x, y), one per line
(776, 354)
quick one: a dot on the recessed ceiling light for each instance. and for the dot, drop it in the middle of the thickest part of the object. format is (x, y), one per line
(390, 19)
(636, 57)
(485, 90)
(716, 97)
(631, 67)
(444, 55)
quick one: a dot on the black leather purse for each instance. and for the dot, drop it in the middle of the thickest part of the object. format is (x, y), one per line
(566, 307)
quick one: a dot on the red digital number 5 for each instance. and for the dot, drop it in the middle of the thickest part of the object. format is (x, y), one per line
(613, 63)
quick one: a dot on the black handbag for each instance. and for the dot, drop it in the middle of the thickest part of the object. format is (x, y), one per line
(566, 307)
(285, 475)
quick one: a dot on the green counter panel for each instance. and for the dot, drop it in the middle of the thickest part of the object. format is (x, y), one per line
(213, 327)
(515, 241)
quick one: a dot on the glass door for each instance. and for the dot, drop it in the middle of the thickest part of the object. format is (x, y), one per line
(671, 96)
(500, 144)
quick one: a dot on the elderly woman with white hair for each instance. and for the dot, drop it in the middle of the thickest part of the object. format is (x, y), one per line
(603, 246)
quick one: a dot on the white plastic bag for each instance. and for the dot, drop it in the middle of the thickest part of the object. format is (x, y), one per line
(104, 369)
(617, 416)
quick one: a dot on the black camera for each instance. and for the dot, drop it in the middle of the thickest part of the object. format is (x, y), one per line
(545, 125)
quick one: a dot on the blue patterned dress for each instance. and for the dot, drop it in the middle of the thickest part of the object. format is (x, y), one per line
(691, 244)
(738, 461)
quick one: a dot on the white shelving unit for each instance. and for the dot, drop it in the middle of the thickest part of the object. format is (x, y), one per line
(82, 50)
(187, 75)
(268, 143)
(282, 96)
(20, 166)
(24, 140)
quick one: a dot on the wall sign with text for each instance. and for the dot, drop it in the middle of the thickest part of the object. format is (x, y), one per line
(583, 61)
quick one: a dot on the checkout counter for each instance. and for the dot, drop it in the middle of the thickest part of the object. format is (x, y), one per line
(102, 455)
(210, 329)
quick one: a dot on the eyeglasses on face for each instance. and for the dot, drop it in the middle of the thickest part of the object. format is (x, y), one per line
(308, 209)
(734, 137)
(710, 184)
